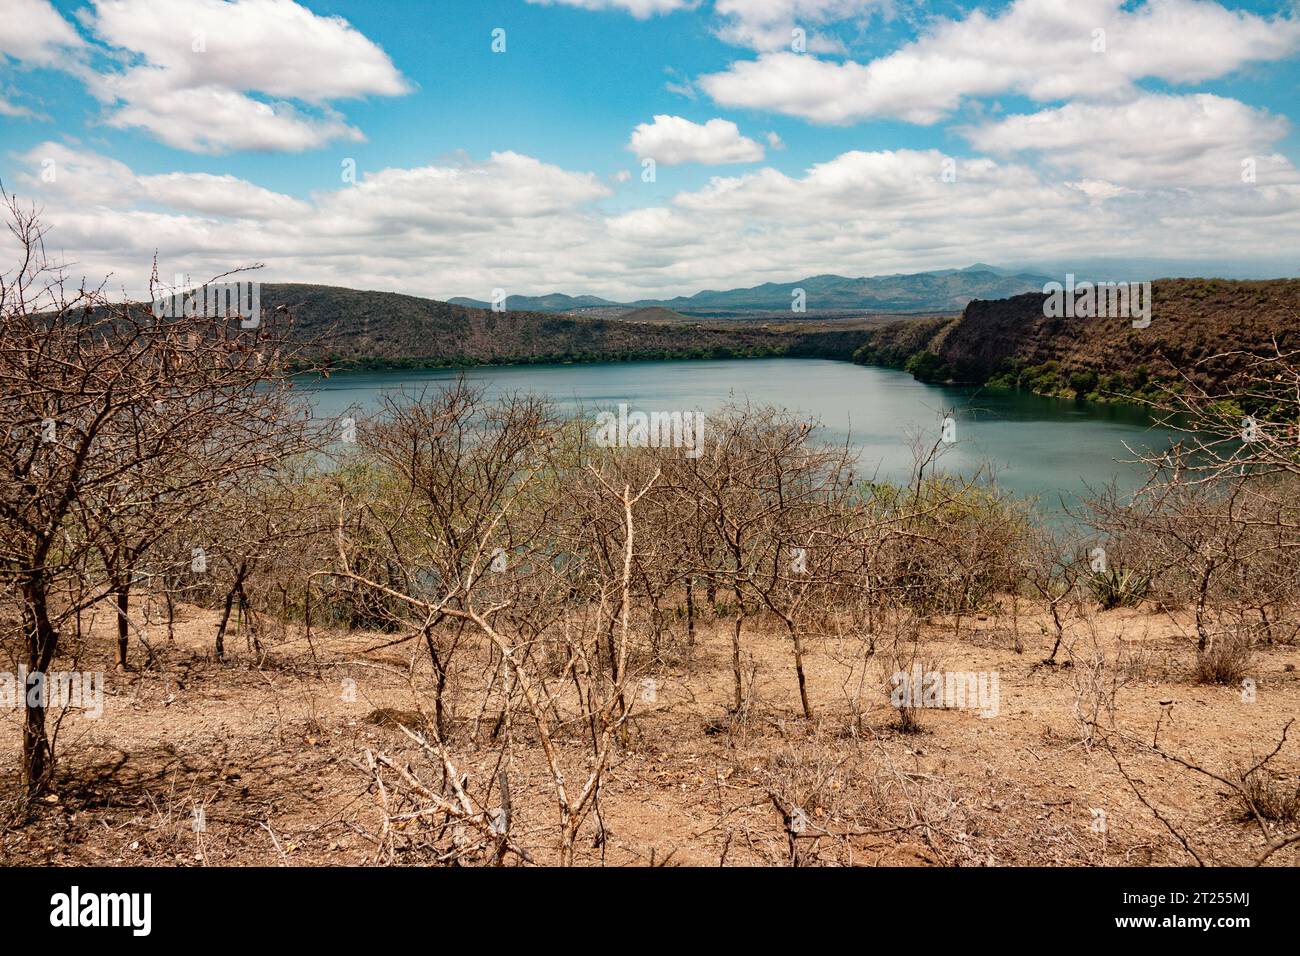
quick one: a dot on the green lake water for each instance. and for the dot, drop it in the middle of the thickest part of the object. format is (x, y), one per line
(1051, 449)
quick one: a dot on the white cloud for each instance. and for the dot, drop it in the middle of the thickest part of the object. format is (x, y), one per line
(214, 119)
(1099, 190)
(13, 109)
(1043, 49)
(507, 188)
(672, 140)
(767, 24)
(504, 221)
(1154, 140)
(78, 178)
(873, 188)
(277, 47)
(220, 196)
(514, 222)
(641, 9)
(758, 24)
(33, 32)
(219, 75)
(656, 226)
(86, 179)
(802, 85)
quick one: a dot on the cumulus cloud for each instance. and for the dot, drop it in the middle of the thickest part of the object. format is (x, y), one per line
(508, 188)
(767, 25)
(220, 196)
(210, 76)
(672, 140)
(1099, 190)
(70, 177)
(277, 47)
(468, 226)
(1098, 168)
(654, 226)
(33, 32)
(79, 177)
(515, 222)
(641, 9)
(1044, 49)
(214, 119)
(1154, 140)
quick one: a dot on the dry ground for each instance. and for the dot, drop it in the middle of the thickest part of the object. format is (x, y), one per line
(273, 752)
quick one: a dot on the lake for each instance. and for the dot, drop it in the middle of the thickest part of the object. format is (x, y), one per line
(1038, 447)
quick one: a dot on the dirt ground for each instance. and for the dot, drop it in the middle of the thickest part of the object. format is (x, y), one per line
(273, 751)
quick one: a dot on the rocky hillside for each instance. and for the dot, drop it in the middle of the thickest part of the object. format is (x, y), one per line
(1196, 326)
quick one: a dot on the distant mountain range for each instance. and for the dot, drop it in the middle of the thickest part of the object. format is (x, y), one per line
(947, 290)
(1205, 329)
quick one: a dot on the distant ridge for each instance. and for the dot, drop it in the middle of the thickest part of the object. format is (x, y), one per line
(947, 290)
(359, 329)
(552, 302)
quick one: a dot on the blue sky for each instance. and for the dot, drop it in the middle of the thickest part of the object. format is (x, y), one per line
(901, 137)
(570, 87)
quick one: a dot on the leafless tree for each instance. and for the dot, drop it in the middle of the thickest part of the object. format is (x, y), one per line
(114, 422)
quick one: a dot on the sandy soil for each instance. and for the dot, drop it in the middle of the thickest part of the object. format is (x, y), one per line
(274, 753)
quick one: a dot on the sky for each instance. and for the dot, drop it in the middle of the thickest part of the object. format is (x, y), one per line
(650, 148)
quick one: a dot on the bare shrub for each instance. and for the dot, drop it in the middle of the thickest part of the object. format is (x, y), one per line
(1225, 659)
(1097, 676)
(904, 658)
(1275, 798)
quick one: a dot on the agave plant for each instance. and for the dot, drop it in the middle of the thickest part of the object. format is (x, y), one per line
(1119, 587)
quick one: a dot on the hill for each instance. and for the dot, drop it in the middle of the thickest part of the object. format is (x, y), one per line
(657, 314)
(553, 302)
(1011, 344)
(386, 329)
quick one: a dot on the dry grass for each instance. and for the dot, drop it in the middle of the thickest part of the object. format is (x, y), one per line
(1274, 798)
(1225, 660)
(275, 755)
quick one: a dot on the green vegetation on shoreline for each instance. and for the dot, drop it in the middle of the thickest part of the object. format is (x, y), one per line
(567, 358)
(1203, 333)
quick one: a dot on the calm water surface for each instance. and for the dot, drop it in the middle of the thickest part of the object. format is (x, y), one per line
(1045, 448)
